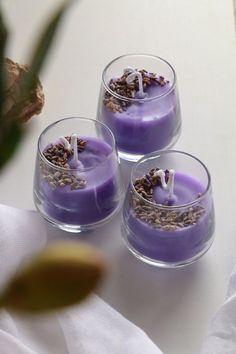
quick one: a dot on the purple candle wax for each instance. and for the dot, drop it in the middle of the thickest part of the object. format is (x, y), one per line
(185, 190)
(96, 199)
(145, 125)
(181, 240)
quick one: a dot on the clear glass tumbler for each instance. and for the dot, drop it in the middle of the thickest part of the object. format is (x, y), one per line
(139, 102)
(168, 214)
(77, 184)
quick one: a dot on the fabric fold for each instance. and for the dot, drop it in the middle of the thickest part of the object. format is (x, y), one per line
(92, 327)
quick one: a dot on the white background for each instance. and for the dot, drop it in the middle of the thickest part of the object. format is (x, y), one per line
(197, 37)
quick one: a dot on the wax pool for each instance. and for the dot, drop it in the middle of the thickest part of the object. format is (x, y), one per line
(96, 200)
(180, 243)
(145, 126)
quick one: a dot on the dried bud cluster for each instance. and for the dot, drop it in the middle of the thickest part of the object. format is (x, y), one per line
(58, 155)
(159, 217)
(122, 88)
(144, 185)
(61, 179)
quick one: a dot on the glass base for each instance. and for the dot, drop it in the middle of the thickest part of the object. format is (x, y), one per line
(162, 264)
(71, 227)
(135, 157)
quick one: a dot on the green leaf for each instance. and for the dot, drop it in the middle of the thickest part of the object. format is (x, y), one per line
(41, 50)
(10, 131)
(3, 39)
(61, 275)
(10, 136)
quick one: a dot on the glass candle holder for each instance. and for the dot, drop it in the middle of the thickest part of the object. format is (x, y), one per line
(168, 214)
(139, 102)
(77, 184)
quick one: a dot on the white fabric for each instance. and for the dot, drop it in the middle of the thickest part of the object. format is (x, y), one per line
(91, 328)
(221, 338)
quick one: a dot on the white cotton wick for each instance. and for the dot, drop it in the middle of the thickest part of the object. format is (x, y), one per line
(170, 183)
(129, 69)
(74, 143)
(65, 142)
(161, 174)
(131, 77)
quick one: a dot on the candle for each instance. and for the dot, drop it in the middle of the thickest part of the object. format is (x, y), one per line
(141, 107)
(77, 184)
(168, 217)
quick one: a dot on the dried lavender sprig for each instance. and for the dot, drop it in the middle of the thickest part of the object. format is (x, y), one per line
(58, 154)
(165, 219)
(129, 90)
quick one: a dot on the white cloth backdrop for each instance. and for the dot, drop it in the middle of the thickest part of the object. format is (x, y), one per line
(222, 330)
(91, 328)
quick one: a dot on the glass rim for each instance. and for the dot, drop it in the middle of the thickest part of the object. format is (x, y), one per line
(146, 99)
(168, 207)
(75, 169)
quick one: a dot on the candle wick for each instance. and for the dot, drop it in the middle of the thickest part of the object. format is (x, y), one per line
(75, 148)
(160, 173)
(75, 162)
(131, 77)
(170, 184)
(128, 70)
(65, 142)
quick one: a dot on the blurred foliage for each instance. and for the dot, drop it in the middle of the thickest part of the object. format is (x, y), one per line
(11, 130)
(62, 274)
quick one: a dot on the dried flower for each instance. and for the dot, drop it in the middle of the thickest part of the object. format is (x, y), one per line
(159, 217)
(122, 88)
(34, 101)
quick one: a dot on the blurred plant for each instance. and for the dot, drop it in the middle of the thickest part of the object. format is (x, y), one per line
(61, 274)
(18, 84)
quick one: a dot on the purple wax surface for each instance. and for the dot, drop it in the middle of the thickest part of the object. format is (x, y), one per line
(145, 126)
(176, 245)
(94, 202)
(186, 190)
